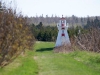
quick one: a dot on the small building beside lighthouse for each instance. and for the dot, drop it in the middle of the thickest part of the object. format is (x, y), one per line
(63, 37)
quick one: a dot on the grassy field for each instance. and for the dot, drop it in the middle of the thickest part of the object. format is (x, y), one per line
(23, 65)
(44, 61)
(74, 63)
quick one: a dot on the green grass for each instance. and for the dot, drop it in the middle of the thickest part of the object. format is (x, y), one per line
(23, 65)
(43, 61)
(74, 63)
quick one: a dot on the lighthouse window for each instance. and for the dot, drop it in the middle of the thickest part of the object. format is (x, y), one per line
(63, 21)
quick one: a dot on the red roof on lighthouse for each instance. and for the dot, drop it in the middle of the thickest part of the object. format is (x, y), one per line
(62, 18)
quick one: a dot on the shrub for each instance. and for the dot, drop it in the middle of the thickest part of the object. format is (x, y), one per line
(65, 48)
(15, 35)
(89, 41)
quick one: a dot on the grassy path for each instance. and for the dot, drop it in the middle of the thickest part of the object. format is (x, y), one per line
(23, 65)
(44, 61)
(75, 63)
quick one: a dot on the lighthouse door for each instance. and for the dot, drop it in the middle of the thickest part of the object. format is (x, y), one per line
(63, 40)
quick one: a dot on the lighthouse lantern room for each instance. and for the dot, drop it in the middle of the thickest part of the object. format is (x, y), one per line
(62, 37)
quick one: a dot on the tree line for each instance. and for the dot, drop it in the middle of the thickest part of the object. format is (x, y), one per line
(44, 33)
(49, 33)
(53, 20)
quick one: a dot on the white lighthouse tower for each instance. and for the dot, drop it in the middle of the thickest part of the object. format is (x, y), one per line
(62, 37)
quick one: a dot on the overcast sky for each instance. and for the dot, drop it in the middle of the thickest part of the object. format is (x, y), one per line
(80, 8)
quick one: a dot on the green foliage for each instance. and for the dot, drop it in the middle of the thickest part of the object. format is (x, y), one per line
(42, 33)
(75, 31)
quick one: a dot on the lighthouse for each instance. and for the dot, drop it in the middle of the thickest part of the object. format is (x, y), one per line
(63, 37)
